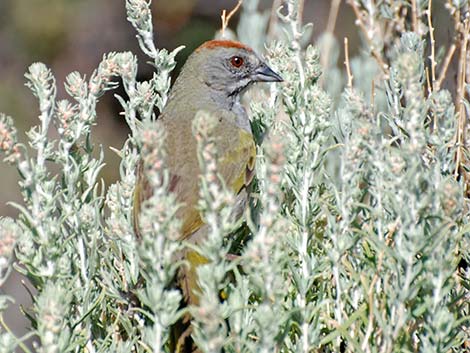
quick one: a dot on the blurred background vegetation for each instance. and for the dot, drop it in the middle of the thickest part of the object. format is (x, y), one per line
(72, 35)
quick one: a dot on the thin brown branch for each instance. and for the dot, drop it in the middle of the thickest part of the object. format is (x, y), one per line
(414, 16)
(333, 16)
(359, 22)
(445, 65)
(433, 46)
(428, 81)
(346, 62)
(372, 96)
(300, 11)
(460, 138)
(226, 18)
(330, 28)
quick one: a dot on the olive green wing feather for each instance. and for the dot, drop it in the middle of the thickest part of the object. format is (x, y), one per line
(237, 154)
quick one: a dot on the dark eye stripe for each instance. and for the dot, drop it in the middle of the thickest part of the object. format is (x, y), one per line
(236, 61)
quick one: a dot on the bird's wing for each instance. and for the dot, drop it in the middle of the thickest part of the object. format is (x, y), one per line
(236, 165)
(139, 196)
(237, 154)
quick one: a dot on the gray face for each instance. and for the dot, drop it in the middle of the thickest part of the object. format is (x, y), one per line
(233, 70)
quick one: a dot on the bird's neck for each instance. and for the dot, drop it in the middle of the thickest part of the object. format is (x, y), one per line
(202, 96)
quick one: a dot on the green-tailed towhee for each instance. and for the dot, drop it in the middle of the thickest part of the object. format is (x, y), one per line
(212, 80)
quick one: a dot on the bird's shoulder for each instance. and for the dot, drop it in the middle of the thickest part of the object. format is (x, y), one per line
(235, 160)
(234, 144)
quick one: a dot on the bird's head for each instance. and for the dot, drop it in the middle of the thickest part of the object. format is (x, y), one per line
(229, 67)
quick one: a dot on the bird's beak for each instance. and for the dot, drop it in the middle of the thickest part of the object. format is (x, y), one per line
(265, 74)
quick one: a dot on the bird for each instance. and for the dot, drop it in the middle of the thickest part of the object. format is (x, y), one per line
(212, 80)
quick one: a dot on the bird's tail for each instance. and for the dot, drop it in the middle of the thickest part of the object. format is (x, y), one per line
(180, 336)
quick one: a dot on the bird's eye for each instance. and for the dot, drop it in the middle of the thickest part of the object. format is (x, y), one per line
(236, 61)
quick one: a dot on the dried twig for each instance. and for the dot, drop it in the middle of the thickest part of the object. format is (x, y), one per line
(226, 18)
(330, 28)
(428, 80)
(300, 11)
(445, 65)
(333, 16)
(414, 16)
(460, 138)
(372, 96)
(346, 62)
(433, 47)
(359, 22)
